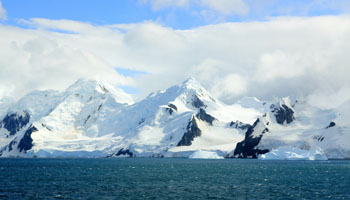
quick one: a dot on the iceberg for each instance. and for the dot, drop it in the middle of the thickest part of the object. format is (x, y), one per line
(293, 153)
(201, 154)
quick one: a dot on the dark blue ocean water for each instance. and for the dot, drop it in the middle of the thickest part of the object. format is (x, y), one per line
(147, 178)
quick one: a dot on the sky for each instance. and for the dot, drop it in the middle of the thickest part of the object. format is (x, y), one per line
(234, 48)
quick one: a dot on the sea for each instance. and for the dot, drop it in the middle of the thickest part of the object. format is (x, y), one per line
(172, 178)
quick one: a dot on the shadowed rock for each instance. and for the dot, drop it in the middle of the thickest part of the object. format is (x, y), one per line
(240, 125)
(26, 143)
(171, 108)
(124, 152)
(15, 122)
(192, 132)
(283, 114)
(332, 124)
(248, 147)
(197, 103)
(193, 129)
(202, 115)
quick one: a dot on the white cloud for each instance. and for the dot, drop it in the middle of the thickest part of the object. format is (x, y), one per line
(3, 13)
(227, 86)
(331, 98)
(280, 65)
(222, 85)
(67, 25)
(159, 4)
(301, 57)
(39, 59)
(227, 7)
(223, 7)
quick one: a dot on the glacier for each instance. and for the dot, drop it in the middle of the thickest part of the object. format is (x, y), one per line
(201, 154)
(292, 153)
(94, 119)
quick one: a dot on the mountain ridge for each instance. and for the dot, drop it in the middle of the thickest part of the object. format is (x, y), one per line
(93, 119)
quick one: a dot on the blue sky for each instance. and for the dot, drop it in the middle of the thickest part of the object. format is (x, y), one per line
(189, 15)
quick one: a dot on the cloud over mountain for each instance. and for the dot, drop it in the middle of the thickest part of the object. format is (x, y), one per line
(302, 57)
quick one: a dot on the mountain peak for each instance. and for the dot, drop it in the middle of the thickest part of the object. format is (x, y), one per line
(84, 83)
(191, 82)
(90, 86)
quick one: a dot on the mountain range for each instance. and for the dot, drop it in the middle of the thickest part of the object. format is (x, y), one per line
(94, 119)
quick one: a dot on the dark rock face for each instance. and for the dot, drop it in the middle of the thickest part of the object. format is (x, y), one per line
(197, 103)
(332, 124)
(202, 115)
(12, 143)
(15, 122)
(26, 143)
(99, 107)
(171, 108)
(192, 132)
(247, 148)
(124, 152)
(45, 126)
(88, 117)
(103, 88)
(319, 138)
(142, 120)
(283, 114)
(240, 125)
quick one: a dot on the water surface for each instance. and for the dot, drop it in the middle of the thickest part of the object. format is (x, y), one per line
(147, 178)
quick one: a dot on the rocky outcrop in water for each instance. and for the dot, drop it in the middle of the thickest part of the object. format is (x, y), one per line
(248, 147)
(123, 152)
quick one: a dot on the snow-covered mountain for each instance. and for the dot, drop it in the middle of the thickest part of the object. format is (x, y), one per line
(45, 122)
(92, 119)
(301, 126)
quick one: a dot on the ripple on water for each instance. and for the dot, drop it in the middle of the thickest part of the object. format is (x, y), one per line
(172, 179)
